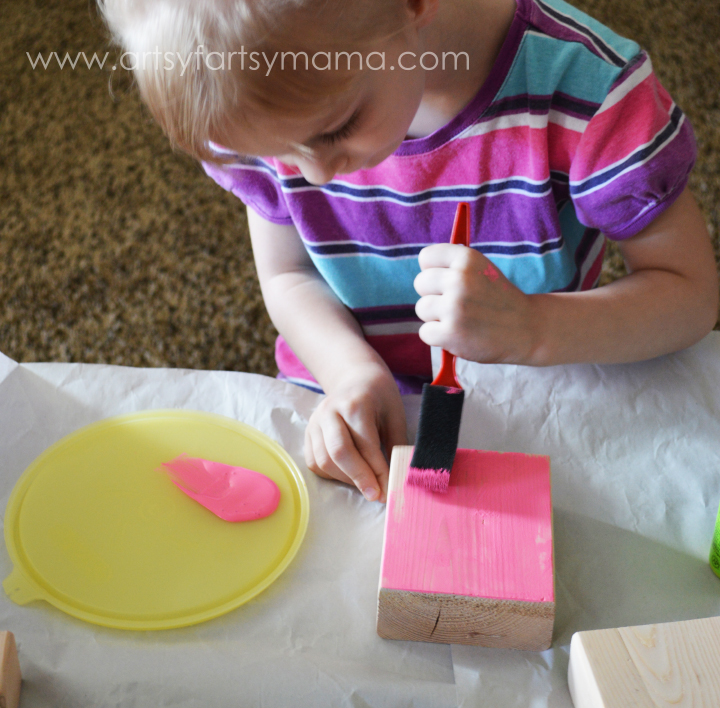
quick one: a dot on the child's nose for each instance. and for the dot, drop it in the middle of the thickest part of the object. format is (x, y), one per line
(320, 171)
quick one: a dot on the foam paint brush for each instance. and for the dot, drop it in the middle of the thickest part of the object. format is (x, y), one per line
(441, 405)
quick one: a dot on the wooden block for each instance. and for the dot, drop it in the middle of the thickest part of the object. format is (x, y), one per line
(652, 666)
(9, 672)
(475, 565)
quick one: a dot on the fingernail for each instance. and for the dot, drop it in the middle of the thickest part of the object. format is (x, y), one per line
(371, 494)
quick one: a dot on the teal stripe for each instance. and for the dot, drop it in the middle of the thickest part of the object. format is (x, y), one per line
(623, 46)
(370, 281)
(537, 274)
(551, 271)
(373, 281)
(544, 65)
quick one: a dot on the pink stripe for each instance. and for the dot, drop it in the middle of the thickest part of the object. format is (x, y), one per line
(282, 169)
(631, 122)
(594, 273)
(289, 364)
(405, 354)
(562, 146)
(466, 161)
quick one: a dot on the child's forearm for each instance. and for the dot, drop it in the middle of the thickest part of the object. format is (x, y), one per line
(668, 302)
(320, 329)
(641, 316)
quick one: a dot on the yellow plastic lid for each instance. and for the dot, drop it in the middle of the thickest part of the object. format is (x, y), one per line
(93, 528)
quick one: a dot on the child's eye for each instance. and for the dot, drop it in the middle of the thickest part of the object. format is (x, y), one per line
(341, 133)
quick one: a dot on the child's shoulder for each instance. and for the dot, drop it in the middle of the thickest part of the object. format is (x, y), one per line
(564, 49)
(564, 22)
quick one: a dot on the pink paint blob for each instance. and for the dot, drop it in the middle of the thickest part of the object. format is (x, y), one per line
(491, 273)
(232, 493)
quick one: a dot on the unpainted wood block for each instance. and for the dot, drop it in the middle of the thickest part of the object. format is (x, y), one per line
(10, 677)
(650, 666)
(474, 565)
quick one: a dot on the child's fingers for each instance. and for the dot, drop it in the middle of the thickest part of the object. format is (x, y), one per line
(446, 255)
(316, 457)
(432, 281)
(341, 452)
(430, 308)
(368, 445)
(435, 334)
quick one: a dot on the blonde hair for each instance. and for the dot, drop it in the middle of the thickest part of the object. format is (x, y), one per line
(195, 103)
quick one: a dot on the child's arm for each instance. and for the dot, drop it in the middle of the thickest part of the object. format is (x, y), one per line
(362, 409)
(668, 301)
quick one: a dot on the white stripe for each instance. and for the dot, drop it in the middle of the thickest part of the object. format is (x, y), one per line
(525, 120)
(619, 92)
(419, 245)
(328, 256)
(470, 185)
(570, 122)
(344, 242)
(250, 167)
(590, 259)
(635, 165)
(515, 120)
(219, 148)
(392, 328)
(436, 196)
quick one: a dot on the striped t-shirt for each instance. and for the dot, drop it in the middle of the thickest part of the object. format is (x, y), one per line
(570, 139)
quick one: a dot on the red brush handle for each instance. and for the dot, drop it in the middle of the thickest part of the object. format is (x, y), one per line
(460, 234)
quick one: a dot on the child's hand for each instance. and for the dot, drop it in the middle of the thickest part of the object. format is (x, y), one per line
(470, 308)
(344, 435)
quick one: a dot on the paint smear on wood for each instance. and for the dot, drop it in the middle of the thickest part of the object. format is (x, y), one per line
(490, 536)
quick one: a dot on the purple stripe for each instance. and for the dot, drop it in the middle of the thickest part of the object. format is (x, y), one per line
(638, 61)
(561, 192)
(563, 28)
(666, 137)
(541, 105)
(386, 315)
(616, 205)
(554, 28)
(502, 218)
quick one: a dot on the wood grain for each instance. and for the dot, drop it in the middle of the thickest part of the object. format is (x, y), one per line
(475, 565)
(650, 666)
(10, 678)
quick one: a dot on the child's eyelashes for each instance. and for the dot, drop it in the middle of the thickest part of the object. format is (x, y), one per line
(341, 133)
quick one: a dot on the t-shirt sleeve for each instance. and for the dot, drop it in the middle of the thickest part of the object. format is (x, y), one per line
(634, 157)
(256, 182)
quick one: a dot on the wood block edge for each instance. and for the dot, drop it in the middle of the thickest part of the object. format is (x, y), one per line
(460, 619)
(10, 676)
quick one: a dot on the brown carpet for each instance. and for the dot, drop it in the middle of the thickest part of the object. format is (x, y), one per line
(113, 249)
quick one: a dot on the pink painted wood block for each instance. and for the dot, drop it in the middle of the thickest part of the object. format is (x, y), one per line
(475, 565)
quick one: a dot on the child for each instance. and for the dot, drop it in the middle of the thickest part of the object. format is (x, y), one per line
(352, 138)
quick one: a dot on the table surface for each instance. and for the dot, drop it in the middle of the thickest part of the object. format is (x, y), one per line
(635, 458)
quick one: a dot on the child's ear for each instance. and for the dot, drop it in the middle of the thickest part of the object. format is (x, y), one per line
(423, 12)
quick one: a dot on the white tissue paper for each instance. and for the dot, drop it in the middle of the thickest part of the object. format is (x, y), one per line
(635, 457)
